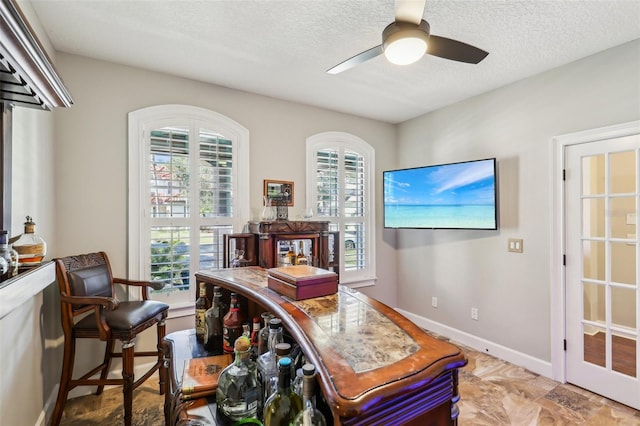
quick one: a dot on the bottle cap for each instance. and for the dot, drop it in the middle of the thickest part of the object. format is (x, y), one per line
(284, 362)
(308, 369)
(283, 349)
(275, 323)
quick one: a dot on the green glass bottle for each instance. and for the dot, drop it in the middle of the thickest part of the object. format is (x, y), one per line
(283, 406)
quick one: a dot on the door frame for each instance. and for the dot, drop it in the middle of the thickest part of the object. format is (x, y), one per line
(557, 277)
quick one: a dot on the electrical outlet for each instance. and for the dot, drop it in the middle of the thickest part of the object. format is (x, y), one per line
(474, 314)
(434, 302)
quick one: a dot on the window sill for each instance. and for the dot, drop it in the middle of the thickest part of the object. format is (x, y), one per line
(359, 282)
(18, 290)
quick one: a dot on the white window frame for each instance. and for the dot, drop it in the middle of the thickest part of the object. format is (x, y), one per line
(141, 122)
(343, 141)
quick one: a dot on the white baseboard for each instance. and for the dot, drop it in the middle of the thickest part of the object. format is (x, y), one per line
(535, 365)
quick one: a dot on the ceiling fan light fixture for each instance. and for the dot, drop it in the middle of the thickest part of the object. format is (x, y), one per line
(405, 43)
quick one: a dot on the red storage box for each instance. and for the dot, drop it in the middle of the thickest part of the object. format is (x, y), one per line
(302, 281)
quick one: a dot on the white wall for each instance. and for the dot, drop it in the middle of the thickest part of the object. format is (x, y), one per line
(515, 123)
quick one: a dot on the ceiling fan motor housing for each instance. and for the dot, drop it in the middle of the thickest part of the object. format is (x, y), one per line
(405, 42)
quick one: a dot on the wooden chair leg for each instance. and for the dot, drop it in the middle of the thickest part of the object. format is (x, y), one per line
(65, 377)
(162, 372)
(127, 374)
(108, 352)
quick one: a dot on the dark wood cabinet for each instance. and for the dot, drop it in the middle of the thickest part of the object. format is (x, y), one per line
(267, 243)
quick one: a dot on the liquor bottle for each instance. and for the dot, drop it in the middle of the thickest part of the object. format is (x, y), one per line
(31, 248)
(310, 415)
(267, 366)
(232, 324)
(283, 406)
(9, 255)
(283, 350)
(246, 330)
(213, 322)
(202, 304)
(237, 393)
(301, 259)
(263, 336)
(291, 255)
(255, 333)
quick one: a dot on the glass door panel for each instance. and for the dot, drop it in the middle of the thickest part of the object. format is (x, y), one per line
(602, 292)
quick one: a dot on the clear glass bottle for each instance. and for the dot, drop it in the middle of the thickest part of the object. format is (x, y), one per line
(232, 324)
(9, 255)
(283, 350)
(237, 393)
(202, 304)
(283, 406)
(263, 337)
(31, 248)
(310, 415)
(267, 366)
(213, 322)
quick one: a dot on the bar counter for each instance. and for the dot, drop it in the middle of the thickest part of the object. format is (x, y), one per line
(374, 365)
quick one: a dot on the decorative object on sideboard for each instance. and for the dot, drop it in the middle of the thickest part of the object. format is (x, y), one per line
(8, 258)
(30, 246)
(268, 210)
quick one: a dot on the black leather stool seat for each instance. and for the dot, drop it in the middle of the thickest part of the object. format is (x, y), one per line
(128, 316)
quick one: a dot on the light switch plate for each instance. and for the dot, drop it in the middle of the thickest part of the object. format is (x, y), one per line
(515, 245)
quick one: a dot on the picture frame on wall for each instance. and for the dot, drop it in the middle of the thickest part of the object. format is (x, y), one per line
(279, 192)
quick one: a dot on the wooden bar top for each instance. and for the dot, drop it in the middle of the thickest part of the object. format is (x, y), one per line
(367, 354)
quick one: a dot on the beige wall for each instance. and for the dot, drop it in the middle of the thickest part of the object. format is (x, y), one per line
(515, 123)
(91, 152)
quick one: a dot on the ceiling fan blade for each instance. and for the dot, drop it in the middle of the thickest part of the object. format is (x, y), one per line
(455, 50)
(410, 11)
(356, 60)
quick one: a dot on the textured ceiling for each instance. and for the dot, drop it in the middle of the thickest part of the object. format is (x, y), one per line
(283, 48)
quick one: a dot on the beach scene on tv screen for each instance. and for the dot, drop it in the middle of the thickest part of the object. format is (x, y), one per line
(460, 195)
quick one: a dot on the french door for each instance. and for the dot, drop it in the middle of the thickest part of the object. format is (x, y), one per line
(602, 273)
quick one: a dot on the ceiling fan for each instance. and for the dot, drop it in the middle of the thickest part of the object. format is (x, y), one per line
(407, 39)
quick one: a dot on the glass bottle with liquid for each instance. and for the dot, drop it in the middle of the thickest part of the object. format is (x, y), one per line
(202, 304)
(263, 336)
(291, 255)
(232, 324)
(9, 255)
(267, 366)
(237, 393)
(310, 415)
(282, 407)
(301, 258)
(213, 322)
(31, 247)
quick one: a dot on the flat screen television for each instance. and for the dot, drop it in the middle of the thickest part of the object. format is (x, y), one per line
(444, 196)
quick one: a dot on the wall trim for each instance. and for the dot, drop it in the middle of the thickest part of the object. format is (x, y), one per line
(532, 364)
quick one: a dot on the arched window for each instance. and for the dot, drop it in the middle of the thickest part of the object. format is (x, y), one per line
(340, 187)
(188, 186)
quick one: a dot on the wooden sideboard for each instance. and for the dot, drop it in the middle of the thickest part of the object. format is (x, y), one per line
(375, 367)
(264, 242)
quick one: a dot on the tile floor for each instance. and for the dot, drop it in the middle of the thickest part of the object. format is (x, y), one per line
(493, 392)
